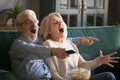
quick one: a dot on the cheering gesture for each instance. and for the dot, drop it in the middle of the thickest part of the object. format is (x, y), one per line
(107, 59)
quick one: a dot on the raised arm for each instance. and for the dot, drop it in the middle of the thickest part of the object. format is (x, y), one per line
(84, 40)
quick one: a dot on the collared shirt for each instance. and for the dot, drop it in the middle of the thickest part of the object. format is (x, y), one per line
(22, 51)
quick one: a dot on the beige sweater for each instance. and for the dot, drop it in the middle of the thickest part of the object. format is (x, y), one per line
(60, 67)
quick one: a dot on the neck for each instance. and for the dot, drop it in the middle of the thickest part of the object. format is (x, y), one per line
(61, 40)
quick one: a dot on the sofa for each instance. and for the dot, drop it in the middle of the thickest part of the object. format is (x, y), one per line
(109, 42)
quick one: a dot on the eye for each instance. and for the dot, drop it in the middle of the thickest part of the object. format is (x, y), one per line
(56, 22)
(36, 21)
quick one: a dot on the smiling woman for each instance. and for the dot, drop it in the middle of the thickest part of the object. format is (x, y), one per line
(56, 37)
(56, 26)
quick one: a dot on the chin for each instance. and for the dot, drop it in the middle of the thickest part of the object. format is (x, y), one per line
(32, 39)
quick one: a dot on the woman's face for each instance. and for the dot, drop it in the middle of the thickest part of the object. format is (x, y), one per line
(58, 29)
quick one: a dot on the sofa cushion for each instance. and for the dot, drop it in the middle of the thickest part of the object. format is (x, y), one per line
(6, 39)
(6, 75)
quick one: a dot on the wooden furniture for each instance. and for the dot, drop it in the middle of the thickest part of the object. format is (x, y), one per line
(8, 28)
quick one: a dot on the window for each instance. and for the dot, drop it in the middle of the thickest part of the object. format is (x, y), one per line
(83, 12)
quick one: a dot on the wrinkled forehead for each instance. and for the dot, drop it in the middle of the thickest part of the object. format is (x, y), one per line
(28, 17)
(55, 17)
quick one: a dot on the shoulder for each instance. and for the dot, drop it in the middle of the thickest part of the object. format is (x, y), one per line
(20, 41)
(47, 42)
(69, 41)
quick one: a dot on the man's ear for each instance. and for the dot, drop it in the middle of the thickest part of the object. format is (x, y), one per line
(19, 28)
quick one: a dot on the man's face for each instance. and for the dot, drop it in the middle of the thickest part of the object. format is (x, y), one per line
(29, 27)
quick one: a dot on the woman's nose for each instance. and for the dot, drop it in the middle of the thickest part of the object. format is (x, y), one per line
(60, 23)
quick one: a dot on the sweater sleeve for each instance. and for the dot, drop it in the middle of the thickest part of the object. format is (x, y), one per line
(75, 40)
(21, 49)
(51, 64)
(53, 69)
(83, 63)
(89, 64)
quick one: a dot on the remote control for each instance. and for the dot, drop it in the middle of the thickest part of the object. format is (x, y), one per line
(70, 51)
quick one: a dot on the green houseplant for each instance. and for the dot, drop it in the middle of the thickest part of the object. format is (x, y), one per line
(12, 13)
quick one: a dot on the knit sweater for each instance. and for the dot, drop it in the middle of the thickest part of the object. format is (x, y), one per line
(60, 67)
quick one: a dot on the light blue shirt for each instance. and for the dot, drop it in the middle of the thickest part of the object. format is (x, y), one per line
(21, 53)
(25, 57)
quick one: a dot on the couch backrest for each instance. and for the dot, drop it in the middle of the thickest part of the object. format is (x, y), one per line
(6, 39)
(109, 41)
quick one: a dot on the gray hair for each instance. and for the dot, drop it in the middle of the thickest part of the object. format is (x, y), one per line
(25, 12)
(45, 25)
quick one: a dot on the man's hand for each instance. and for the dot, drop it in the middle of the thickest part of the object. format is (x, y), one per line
(59, 52)
(88, 40)
(107, 59)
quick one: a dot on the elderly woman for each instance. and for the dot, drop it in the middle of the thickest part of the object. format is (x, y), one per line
(54, 32)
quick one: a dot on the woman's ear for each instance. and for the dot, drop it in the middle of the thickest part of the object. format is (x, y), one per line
(49, 34)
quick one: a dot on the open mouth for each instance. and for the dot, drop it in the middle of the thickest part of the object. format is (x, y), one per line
(33, 31)
(61, 30)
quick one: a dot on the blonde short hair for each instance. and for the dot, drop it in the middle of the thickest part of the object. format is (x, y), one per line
(45, 25)
(25, 12)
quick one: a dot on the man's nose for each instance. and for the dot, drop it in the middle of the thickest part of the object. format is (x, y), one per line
(35, 21)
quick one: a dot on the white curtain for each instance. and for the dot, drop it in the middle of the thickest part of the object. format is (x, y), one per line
(4, 4)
